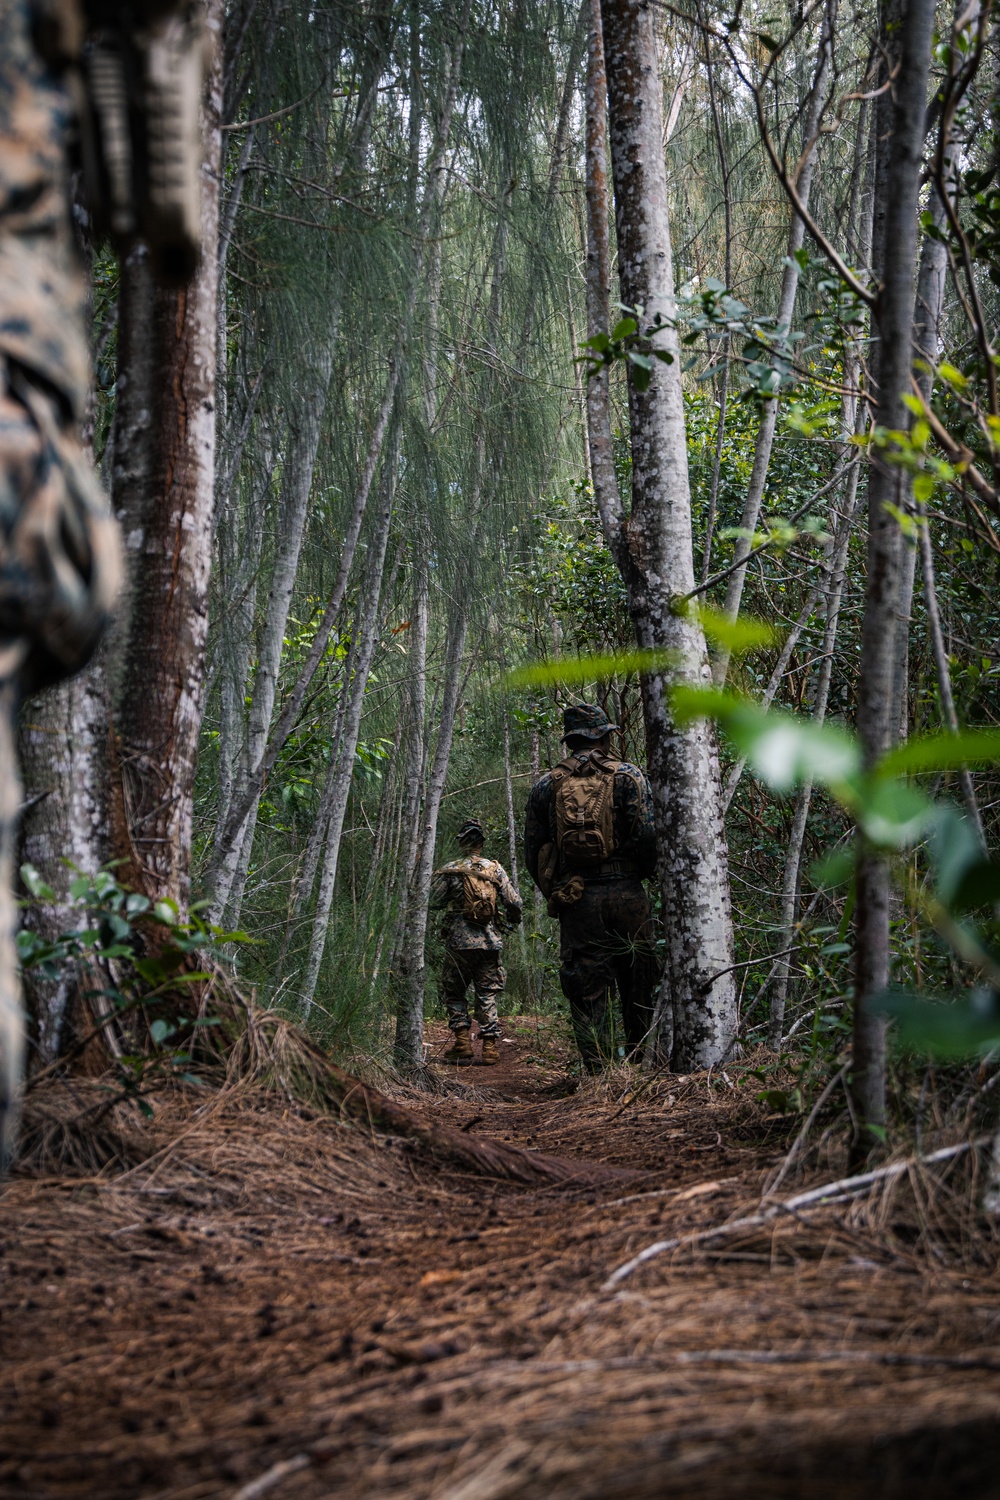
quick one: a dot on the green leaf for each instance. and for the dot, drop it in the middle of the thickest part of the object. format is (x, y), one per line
(962, 1028)
(835, 868)
(738, 636)
(159, 1030)
(942, 752)
(893, 815)
(135, 904)
(623, 329)
(166, 911)
(599, 342)
(953, 376)
(783, 750)
(574, 669)
(955, 850)
(36, 885)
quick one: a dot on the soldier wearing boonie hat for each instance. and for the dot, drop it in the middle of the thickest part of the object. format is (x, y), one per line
(476, 894)
(589, 843)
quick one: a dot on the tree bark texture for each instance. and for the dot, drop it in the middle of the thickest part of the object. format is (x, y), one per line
(162, 702)
(906, 35)
(65, 740)
(683, 762)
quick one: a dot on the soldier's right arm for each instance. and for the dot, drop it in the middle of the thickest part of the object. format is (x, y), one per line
(439, 890)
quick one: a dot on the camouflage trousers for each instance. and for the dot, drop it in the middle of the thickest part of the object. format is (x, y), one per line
(484, 970)
(607, 942)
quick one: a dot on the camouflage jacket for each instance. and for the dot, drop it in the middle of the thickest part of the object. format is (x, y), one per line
(447, 894)
(635, 838)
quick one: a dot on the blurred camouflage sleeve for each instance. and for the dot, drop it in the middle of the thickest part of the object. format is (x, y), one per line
(513, 905)
(59, 555)
(538, 829)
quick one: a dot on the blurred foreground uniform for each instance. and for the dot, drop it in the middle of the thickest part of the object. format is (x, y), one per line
(116, 85)
(589, 844)
(59, 559)
(476, 894)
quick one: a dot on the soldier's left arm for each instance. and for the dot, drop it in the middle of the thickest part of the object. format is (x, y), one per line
(634, 802)
(509, 896)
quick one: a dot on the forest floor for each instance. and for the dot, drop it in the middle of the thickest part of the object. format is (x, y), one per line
(277, 1303)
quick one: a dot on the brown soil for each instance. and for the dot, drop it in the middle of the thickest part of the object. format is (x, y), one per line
(276, 1296)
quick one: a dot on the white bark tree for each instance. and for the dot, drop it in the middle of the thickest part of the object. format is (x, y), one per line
(698, 993)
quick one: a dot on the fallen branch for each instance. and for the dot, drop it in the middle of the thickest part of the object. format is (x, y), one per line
(274, 1476)
(820, 1197)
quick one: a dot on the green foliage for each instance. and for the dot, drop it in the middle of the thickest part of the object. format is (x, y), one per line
(138, 960)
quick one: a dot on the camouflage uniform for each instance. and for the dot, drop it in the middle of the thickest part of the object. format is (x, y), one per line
(607, 940)
(473, 953)
(59, 557)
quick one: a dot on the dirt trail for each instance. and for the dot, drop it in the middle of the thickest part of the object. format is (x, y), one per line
(276, 1297)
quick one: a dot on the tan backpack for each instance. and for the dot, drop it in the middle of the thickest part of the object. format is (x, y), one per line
(585, 833)
(479, 897)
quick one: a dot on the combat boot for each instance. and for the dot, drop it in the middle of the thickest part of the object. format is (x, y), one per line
(460, 1051)
(491, 1052)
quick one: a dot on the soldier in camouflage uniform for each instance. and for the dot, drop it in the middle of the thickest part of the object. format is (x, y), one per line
(473, 949)
(606, 929)
(59, 557)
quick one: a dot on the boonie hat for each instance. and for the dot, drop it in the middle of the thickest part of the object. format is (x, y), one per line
(471, 832)
(586, 721)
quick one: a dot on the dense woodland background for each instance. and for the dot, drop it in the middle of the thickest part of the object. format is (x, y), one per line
(399, 505)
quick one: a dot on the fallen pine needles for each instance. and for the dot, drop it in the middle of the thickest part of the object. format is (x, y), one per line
(820, 1197)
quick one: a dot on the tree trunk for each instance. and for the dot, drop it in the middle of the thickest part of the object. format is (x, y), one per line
(931, 278)
(409, 1046)
(727, 207)
(416, 737)
(334, 803)
(906, 35)
(600, 442)
(786, 312)
(161, 708)
(683, 762)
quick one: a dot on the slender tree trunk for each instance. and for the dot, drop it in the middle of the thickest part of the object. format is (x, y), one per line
(64, 739)
(906, 35)
(160, 717)
(786, 312)
(931, 278)
(683, 762)
(600, 442)
(416, 737)
(727, 208)
(409, 1047)
(793, 857)
(338, 787)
